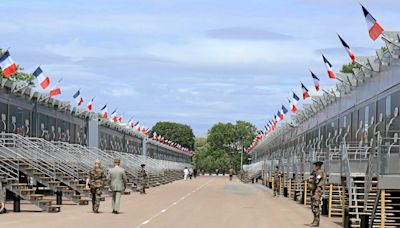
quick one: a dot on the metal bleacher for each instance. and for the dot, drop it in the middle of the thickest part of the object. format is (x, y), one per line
(62, 168)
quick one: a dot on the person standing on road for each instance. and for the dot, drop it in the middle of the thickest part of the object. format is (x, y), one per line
(95, 183)
(231, 172)
(117, 182)
(277, 181)
(195, 173)
(142, 179)
(190, 172)
(316, 183)
(185, 173)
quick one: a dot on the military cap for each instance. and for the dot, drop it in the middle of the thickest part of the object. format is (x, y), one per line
(142, 165)
(318, 163)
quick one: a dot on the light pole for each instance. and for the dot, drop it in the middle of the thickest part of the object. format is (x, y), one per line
(241, 158)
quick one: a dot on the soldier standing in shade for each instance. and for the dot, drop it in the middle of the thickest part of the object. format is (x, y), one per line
(2, 196)
(96, 182)
(277, 181)
(316, 183)
(142, 179)
(231, 171)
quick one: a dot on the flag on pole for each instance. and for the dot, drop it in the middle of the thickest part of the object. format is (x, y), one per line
(280, 115)
(114, 116)
(284, 110)
(305, 92)
(120, 119)
(7, 65)
(56, 90)
(374, 28)
(316, 81)
(328, 66)
(90, 105)
(43, 80)
(347, 47)
(78, 98)
(104, 112)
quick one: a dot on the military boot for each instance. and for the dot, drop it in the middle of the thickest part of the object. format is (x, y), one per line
(312, 221)
(315, 222)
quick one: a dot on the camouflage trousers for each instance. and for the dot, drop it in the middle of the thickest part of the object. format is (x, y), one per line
(96, 195)
(142, 187)
(277, 187)
(316, 203)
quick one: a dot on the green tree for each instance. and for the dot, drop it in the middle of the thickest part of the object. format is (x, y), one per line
(348, 68)
(223, 147)
(176, 132)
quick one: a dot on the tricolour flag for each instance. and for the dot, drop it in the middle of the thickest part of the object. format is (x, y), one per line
(104, 112)
(280, 115)
(7, 65)
(284, 110)
(114, 117)
(43, 80)
(90, 105)
(374, 28)
(316, 81)
(56, 90)
(305, 92)
(347, 47)
(328, 66)
(78, 98)
(120, 119)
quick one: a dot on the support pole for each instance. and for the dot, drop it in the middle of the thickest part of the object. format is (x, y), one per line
(330, 200)
(383, 216)
(290, 188)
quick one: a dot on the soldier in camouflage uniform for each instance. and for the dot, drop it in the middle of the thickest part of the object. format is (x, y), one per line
(96, 182)
(316, 183)
(2, 196)
(142, 179)
(277, 180)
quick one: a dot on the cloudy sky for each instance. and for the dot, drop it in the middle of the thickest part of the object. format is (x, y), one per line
(197, 62)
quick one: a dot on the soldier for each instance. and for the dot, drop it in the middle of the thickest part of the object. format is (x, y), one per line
(142, 179)
(96, 182)
(231, 171)
(277, 181)
(2, 196)
(316, 184)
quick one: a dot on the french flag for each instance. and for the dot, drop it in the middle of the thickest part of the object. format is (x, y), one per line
(90, 105)
(114, 117)
(155, 135)
(7, 65)
(43, 80)
(305, 92)
(374, 28)
(55, 92)
(347, 47)
(293, 106)
(280, 115)
(284, 110)
(104, 112)
(78, 98)
(120, 119)
(328, 65)
(131, 123)
(316, 81)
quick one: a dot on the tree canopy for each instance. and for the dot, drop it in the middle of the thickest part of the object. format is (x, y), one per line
(348, 68)
(223, 145)
(176, 132)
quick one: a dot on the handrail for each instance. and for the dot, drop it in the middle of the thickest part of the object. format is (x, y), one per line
(373, 213)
